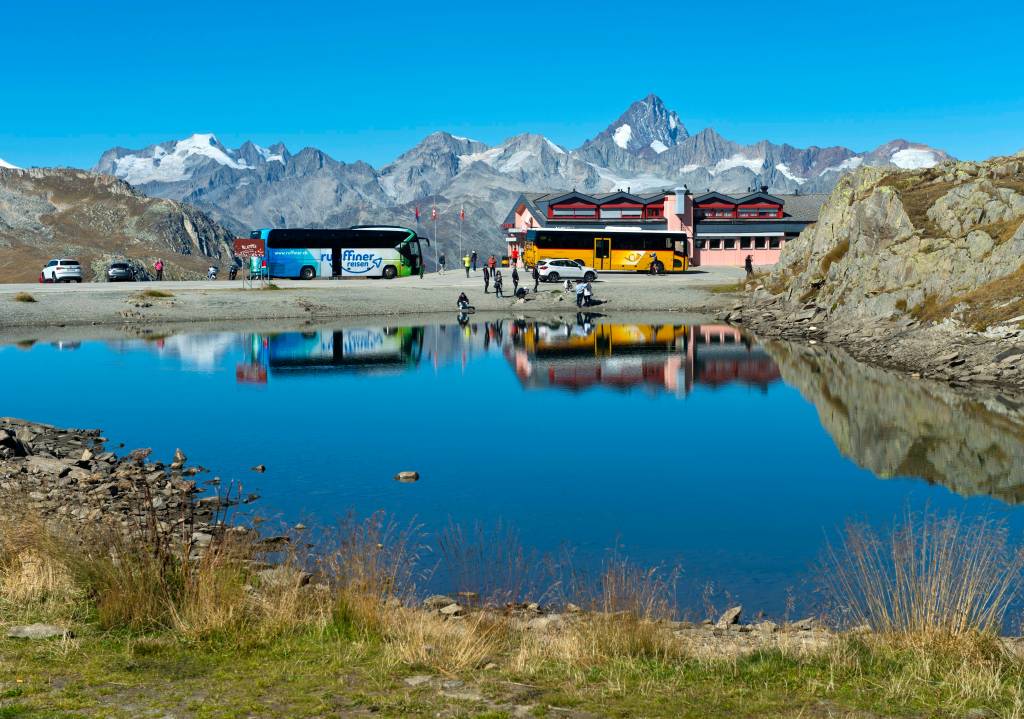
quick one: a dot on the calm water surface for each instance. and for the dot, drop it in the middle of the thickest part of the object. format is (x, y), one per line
(685, 444)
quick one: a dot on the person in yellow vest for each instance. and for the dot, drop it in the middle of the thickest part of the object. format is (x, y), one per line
(465, 262)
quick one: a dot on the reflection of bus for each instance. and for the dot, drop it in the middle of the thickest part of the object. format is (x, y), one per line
(354, 349)
(354, 252)
(609, 249)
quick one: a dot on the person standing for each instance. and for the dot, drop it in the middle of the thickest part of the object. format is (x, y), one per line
(515, 280)
(159, 267)
(515, 255)
(536, 278)
(492, 263)
(748, 265)
(579, 293)
(588, 294)
(465, 261)
(473, 258)
(487, 279)
(497, 283)
(440, 263)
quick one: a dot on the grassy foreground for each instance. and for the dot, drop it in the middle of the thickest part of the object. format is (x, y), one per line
(158, 635)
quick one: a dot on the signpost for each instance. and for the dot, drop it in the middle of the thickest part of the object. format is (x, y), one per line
(252, 250)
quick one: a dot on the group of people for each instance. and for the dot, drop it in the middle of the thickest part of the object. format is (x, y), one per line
(584, 294)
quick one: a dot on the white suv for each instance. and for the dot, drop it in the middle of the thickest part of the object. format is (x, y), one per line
(62, 270)
(555, 270)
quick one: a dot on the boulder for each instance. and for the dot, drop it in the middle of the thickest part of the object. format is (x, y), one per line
(452, 610)
(437, 602)
(37, 631)
(730, 616)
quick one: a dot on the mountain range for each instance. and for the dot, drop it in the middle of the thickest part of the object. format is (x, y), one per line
(647, 147)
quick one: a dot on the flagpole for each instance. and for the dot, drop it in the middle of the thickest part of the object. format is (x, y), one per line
(433, 213)
(462, 221)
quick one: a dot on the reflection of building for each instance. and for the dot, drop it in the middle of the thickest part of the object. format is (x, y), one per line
(723, 355)
(666, 357)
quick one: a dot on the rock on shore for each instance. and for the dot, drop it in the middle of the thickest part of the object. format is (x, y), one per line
(68, 475)
(922, 270)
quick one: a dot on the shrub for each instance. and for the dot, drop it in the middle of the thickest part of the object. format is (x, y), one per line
(24, 297)
(929, 575)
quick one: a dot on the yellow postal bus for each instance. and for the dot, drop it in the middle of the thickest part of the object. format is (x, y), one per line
(623, 250)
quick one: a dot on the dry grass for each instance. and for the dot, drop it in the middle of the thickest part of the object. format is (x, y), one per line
(156, 294)
(929, 576)
(918, 191)
(24, 297)
(992, 303)
(837, 253)
(1002, 231)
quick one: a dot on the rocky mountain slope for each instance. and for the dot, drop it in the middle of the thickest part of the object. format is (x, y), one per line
(647, 147)
(96, 218)
(922, 269)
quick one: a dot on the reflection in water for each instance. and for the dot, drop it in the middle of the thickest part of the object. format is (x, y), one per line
(570, 355)
(895, 427)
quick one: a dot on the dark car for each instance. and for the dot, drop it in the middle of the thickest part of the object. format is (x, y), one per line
(120, 272)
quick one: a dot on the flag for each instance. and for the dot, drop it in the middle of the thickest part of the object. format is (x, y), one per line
(462, 214)
(417, 213)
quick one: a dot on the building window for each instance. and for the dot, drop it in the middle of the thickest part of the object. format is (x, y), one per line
(730, 243)
(620, 214)
(773, 243)
(714, 244)
(654, 211)
(746, 243)
(700, 244)
(760, 243)
(563, 212)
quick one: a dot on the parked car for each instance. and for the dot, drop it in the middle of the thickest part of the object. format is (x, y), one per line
(61, 270)
(555, 270)
(120, 272)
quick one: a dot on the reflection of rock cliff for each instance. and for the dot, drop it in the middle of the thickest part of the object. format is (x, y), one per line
(896, 427)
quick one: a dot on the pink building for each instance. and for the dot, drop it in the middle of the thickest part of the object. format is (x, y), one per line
(710, 229)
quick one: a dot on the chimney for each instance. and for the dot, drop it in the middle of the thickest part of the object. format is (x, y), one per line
(628, 188)
(764, 188)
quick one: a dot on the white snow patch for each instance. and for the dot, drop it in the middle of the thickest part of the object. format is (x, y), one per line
(622, 135)
(488, 157)
(658, 146)
(9, 166)
(635, 183)
(554, 147)
(914, 159)
(690, 168)
(514, 162)
(672, 121)
(174, 166)
(268, 156)
(850, 163)
(751, 163)
(784, 169)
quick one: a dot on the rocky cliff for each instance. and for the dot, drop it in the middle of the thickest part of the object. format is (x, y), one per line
(96, 218)
(923, 268)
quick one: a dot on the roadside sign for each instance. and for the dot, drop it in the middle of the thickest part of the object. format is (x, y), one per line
(245, 248)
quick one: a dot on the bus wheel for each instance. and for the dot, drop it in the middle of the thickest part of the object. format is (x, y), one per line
(389, 272)
(307, 273)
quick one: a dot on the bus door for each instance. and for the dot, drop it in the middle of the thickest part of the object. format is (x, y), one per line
(336, 261)
(602, 253)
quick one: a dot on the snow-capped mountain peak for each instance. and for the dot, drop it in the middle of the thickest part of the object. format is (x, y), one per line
(7, 165)
(646, 127)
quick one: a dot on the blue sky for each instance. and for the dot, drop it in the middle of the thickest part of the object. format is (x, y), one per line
(368, 80)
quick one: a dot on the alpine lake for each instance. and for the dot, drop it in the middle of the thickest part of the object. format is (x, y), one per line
(690, 448)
